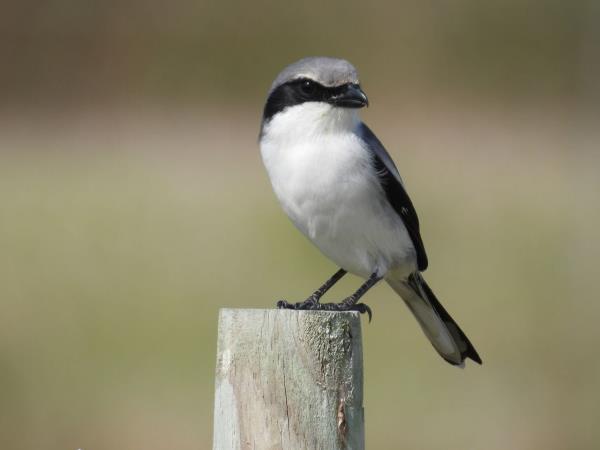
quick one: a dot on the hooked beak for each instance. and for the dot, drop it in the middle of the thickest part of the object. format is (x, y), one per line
(351, 97)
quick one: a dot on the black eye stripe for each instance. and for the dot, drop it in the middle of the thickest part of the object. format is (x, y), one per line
(317, 88)
(292, 93)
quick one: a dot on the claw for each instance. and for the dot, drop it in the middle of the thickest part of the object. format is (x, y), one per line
(283, 304)
(362, 308)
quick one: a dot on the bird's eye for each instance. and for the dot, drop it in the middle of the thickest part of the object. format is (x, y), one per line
(308, 87)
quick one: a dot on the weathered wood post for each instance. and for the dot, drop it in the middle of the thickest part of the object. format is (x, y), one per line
(290, 380)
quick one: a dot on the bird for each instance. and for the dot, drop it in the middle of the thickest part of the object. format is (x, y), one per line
(340, 187)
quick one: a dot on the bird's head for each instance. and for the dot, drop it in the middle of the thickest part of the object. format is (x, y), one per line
(316, 88)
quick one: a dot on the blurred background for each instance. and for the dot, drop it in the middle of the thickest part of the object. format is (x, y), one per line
(133, 205)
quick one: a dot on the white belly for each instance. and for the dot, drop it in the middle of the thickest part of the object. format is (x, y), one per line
(329, 190)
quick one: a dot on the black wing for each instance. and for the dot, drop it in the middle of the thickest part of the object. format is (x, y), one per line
(394, 190)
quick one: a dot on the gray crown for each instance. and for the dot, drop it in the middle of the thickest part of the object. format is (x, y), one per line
(327, 71)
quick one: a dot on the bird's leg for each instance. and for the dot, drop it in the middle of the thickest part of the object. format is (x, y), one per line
(316, 296)
(312, 302)
(351, 303)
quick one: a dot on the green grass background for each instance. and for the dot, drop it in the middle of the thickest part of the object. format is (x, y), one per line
(123, 232)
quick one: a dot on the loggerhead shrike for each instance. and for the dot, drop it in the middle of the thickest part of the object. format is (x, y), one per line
(341, 189)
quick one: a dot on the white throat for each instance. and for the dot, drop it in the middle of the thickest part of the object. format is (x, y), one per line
(309, 120)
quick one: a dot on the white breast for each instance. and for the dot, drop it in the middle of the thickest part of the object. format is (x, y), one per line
(322, 175)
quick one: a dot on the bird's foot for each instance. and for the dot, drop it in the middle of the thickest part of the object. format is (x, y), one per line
(311, 304)
(347, 306)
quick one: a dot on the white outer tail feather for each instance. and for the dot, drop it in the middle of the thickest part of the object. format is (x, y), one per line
(432, 325)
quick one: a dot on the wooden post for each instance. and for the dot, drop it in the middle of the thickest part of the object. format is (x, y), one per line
(289, 380)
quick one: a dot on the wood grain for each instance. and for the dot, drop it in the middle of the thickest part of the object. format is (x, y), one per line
(288, 380)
